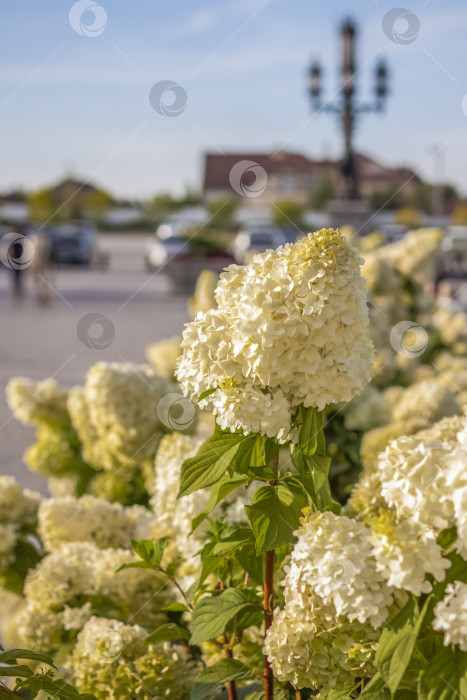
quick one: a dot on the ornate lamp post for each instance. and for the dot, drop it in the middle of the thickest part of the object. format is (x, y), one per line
(346, 107)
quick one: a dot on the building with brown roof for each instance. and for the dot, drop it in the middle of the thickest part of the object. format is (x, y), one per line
(261, 179)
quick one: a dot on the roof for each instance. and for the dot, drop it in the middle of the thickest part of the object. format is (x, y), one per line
(217, 167)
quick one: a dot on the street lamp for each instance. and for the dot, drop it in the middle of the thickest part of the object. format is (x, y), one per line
(346, 107)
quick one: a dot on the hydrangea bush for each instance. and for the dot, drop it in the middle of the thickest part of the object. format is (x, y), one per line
(206, 554)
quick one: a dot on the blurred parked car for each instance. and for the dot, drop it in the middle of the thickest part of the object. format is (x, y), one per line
(73, 244)
(182, 256)
(258, 240)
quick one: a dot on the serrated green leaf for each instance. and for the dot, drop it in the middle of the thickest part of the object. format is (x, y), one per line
(275, 513)
(169, 632)
(159, 548)
(211, 462)
(212, 614)
(397, 643)
(7, 657)
(220, 673)
(445, 677)
(144, 549)
(341, 694)
(374, 690)
(13, 671)
(264, 472)
(218, 492)
(308, 434)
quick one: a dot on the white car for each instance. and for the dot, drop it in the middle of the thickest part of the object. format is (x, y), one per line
(257, 240)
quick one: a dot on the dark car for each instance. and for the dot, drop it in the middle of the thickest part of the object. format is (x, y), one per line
(72, 244)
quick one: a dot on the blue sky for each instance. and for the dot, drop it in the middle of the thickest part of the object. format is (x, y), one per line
(73, 103)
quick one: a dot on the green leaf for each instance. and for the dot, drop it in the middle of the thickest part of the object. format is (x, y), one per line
(445, 677)
(20, 671)
(375, 688)
(397, 643)
(159, 549)
(205, 394)
(341, 694)
(218, 492)
(264, 472)
(144, 549)
(212, 614)
(11, 655)
(308, 435)
(232, 543)
(275, 513)
(169, 632)
(252, 564)
(175, 607)
(220, 673)
(210, 464)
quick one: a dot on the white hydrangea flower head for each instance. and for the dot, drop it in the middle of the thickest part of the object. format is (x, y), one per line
(451, 615)
(115, 413)
(164, 354)
(418, 479)
(17, 505)
(332, 566)
(111, 661)
(428, 400)
(90, 519)
(38, 402)
(78, 573)
(294, 320)
(310, 652)
(405, 552)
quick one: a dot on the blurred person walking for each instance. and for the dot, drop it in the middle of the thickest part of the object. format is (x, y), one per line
(43, 267)
(18, 257)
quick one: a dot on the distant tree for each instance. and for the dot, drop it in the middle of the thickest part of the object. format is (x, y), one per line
(221, 213)
(41, 205)
(95, 203)
(323, 193)
(190, 198)
(386, 200)
(162, 204)
(288, 214)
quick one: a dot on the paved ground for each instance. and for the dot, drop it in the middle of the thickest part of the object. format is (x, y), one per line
(40, 342)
